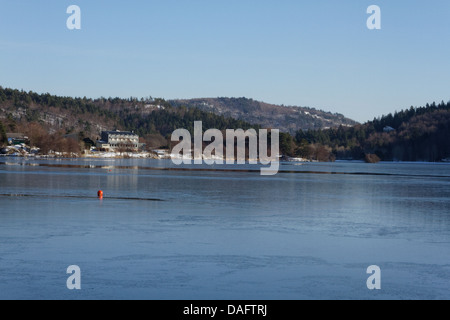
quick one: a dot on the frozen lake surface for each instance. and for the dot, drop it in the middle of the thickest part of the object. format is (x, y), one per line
(309, 232)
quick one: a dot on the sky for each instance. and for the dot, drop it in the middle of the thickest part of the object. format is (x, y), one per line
(305, 53)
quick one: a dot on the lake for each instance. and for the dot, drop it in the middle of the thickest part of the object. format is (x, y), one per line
(167, 232)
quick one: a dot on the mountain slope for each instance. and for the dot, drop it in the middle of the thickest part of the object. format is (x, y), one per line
(415, 134)
(286, 119)
(41, 115)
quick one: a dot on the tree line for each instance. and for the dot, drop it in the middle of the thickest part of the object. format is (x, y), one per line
(415, 134)
(85, 114)
(166, 121)
(410, 135)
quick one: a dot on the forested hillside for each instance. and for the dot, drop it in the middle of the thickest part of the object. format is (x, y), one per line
(416, 134)
(287, 119)
(40, 115)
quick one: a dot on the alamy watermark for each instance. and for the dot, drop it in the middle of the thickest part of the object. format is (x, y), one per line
(374, 21)
(74, 280)
(374, 281)
(74, 20)
(236, 140)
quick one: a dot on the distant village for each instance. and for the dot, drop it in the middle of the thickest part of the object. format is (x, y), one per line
(112, 144)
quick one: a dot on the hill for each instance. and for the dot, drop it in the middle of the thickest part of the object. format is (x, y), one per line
(41, 115)
(415, 134)
(286, 119)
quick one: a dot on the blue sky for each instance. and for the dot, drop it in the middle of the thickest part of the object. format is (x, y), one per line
(307, 53)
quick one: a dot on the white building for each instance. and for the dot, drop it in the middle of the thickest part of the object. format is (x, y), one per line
(113, 140)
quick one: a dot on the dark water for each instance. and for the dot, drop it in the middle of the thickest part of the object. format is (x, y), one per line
(309, 232)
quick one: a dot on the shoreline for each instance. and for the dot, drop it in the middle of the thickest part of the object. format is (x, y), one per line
(86, 156)
(136, 156)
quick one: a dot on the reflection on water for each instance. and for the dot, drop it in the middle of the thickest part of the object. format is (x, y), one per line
(224, 233)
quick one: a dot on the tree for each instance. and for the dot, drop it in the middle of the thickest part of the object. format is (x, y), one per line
(38, 136)
(322, 153)
(287, 145)
(12, 125)
(3, 137)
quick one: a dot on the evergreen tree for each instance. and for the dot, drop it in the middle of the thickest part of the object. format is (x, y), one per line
(3, 137)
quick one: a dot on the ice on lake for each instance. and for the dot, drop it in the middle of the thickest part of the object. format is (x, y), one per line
(309, 232)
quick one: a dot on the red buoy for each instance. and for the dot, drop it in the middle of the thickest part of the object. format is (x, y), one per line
(100, 194)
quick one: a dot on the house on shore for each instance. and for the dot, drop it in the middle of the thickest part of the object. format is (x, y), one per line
(17, 139)
(118, 140)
